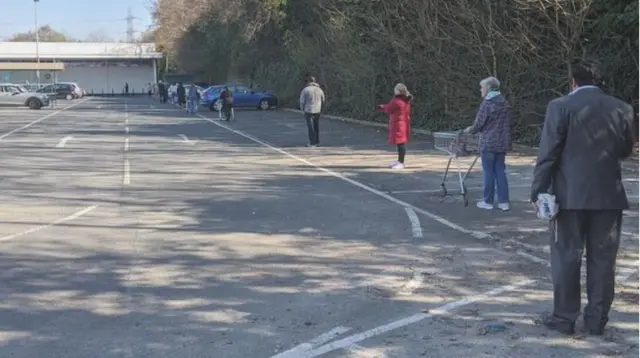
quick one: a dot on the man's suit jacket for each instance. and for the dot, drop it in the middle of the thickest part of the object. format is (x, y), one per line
(585, 137)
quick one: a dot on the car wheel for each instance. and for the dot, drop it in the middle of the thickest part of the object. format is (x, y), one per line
(34, 104)
(264, 104)
(69, 96)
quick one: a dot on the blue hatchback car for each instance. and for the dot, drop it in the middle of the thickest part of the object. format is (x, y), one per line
(243, 97)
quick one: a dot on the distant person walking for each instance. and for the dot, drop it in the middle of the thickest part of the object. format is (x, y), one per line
(172, 92)
(493, 122)
(586, 135)
(162, 92)
(126, 88)
(312, 101)
(193, 99)
(226, 100)
(181, 93)
(399, 111)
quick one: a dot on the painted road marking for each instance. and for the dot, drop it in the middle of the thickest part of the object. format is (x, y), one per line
(186, 139)
(126, 180)
(40, 119)
(73, 216)
(126, 130)
(477, 234)
(441, 220)
(359, 337)
(126, 144)
(64, 141)
(320, 340)
(416, 228)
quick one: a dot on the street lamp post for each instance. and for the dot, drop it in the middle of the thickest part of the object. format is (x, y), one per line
(35, 16)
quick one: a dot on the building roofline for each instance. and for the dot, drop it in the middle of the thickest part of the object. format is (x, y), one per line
(26, 56)
(78, 50)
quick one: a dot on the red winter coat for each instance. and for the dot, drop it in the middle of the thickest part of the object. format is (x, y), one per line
(399, 111)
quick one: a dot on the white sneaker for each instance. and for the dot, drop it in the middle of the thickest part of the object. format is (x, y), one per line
(483, 205)
(393, 164)
(504, 206)
(397, 166)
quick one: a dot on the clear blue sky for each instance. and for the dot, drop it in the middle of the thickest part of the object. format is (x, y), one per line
(76, 18)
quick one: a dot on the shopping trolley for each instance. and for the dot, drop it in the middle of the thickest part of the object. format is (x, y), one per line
(457, 145)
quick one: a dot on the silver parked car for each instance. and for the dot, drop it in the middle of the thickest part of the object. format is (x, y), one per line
(14, 95)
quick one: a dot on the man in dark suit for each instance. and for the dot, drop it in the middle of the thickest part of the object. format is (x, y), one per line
(585, 137)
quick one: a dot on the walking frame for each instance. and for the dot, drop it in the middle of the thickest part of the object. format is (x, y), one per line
(457, 145)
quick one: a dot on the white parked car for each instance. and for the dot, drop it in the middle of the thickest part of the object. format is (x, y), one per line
(14, 95)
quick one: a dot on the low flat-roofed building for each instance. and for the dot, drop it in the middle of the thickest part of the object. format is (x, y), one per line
(95, 67)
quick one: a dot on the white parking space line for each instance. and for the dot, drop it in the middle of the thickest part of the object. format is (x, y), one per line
(441, 220)
(534, 258)
(359, 337)
(73, 216)
(186, 139)
(624, 274)
(126, 180)
(41, 119)
(416, 228)
(126, 129)
(64, 141)
(307, 346)
(126, 144)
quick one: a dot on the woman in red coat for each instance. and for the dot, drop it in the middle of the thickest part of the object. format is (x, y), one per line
(399, 111)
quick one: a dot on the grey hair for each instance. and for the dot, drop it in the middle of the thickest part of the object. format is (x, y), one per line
(491, 83)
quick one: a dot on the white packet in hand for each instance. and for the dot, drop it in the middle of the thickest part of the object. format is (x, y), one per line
(547, 206)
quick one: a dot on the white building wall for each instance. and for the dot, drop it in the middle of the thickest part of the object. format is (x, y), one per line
(109, 78)
(96, 76)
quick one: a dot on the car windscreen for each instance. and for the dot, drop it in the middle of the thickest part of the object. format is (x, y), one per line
(11, 89)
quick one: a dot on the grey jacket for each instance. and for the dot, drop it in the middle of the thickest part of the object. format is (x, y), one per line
(585, 137)
(312, 99)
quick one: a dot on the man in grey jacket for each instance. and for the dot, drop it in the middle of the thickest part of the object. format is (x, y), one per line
(311, 103)
(585, 137)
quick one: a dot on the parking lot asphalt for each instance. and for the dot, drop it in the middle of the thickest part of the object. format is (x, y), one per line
(130, 229)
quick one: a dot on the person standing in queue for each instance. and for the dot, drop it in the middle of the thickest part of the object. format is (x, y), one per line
(312, 101)
(585, 137)
(193, 99)
(162, 92)
(493, 123)
(226, 100)
(181, 92)
(399, 111)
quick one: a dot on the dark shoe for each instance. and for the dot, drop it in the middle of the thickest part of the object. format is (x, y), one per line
(554, 324)
(594, 327)
(596, 332)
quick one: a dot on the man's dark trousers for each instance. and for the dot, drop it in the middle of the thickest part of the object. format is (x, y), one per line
(313, 127)
(579, 161)
(599, 232)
